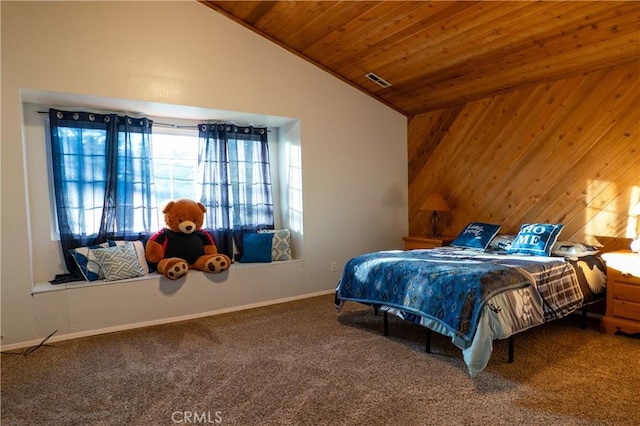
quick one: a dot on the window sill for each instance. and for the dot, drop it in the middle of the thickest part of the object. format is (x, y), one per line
(46, 287)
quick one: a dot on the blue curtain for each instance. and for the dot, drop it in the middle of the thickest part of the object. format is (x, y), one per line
(234, 174)
(103, 179)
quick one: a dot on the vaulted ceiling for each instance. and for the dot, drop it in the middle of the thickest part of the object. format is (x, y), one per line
(437, 54)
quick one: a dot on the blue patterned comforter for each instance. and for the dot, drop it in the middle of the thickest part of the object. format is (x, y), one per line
(445, 285)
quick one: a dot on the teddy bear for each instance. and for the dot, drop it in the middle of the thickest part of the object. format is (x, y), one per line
(183, 244)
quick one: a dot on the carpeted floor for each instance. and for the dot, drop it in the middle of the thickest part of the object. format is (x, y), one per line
(301, 363)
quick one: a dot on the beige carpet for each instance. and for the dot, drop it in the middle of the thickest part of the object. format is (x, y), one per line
(301, 363)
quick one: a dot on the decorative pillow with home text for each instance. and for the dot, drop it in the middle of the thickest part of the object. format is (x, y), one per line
(536, 239)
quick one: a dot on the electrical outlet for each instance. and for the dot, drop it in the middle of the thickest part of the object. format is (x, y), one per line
(333, 266)
(2, 336)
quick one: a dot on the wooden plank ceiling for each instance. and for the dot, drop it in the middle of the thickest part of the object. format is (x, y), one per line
(437, 54)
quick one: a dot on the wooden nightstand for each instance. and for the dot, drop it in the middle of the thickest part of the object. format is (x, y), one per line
(623, 292)
(414, 242)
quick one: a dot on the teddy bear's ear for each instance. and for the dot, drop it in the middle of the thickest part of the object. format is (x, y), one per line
(168, 207)
(202, 207)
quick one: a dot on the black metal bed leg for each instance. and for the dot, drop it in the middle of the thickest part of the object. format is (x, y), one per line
(375, 310)
(584, 318)
(428, 341)
(511, 349)
(386, 324)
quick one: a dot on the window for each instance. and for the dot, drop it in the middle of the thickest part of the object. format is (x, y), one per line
(111, 173)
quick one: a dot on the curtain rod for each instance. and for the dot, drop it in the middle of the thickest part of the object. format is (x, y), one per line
(177, 126)
(160, 124)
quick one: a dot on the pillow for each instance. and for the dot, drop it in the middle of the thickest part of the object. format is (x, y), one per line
(139, 248)
(281, 244)
(119, 262)
(501, 242)
(476, 235)
(571, 249)
(536, 239)
(87, 263)
(256, 247)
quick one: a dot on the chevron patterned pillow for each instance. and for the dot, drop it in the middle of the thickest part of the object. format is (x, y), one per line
(119, 262)
(281, 244)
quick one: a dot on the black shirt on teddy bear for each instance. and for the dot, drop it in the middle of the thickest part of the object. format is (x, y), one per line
(185, 246)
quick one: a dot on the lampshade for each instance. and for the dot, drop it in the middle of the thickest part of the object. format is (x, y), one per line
(435, 202)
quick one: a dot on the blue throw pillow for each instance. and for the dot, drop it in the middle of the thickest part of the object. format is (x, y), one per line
(476, 235)
(536, 239)
(87, 262)
(256, 247)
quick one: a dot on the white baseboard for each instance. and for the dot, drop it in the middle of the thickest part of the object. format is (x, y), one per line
(69, 336)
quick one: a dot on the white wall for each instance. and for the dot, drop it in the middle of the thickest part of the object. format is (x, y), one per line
(354, 161)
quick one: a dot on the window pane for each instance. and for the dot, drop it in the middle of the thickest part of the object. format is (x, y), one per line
(83, 162)
(175, 163)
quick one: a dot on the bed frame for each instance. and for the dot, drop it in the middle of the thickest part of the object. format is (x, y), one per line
(428, 332)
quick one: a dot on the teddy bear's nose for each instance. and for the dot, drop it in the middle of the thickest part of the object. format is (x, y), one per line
(187, 227)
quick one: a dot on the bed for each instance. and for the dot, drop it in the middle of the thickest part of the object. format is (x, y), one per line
(472, 294)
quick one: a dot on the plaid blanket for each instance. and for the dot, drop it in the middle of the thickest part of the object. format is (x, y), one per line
(554, 278)
(558, 286)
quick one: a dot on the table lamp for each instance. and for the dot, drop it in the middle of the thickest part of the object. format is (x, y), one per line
(435, 203)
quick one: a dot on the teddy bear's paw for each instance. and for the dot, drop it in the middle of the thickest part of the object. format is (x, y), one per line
(177, 270)
(217, 263)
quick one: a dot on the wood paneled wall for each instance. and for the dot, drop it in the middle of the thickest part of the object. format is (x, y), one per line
(560, 152)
